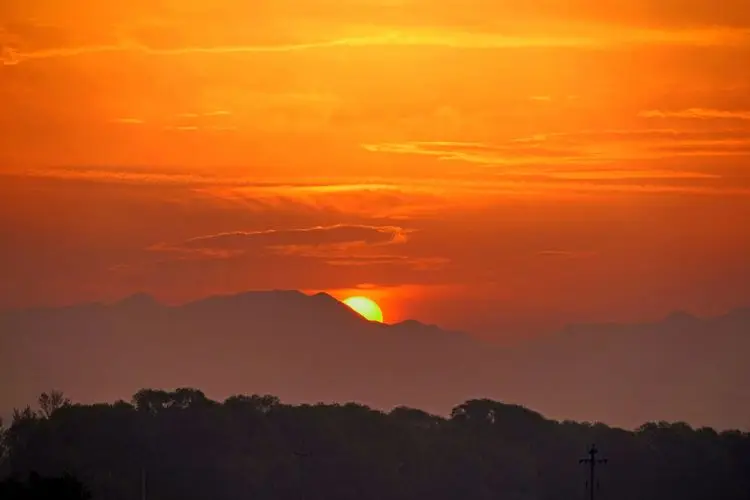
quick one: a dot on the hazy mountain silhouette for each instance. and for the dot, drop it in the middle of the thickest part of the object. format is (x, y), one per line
(314, 348)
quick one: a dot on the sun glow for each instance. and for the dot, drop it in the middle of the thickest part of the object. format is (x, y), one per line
(366, 307)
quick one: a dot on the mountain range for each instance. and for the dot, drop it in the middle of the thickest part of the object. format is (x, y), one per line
(311, 348)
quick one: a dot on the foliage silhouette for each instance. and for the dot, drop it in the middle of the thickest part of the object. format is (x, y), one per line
(188, 447)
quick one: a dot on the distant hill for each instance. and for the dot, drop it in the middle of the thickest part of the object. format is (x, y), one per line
(310, 348)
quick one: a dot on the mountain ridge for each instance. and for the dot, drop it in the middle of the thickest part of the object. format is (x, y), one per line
(144, 299)
(309, 348)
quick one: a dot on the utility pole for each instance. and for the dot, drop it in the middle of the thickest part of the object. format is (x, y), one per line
(592, 461)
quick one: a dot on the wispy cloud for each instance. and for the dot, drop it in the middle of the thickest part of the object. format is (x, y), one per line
(220, 112)
(182, 128)
(496, 154)
(338, 245)
(601, 37)
(339, 233)
(12, 56)
(128, 175)
(643, 174)
(697, 114)
(642, 135)
(405, 197)
(129, 121)
(586, 154)
(377, 197)
(298, 241)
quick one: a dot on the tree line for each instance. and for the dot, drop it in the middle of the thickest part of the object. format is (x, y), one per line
(181, 445)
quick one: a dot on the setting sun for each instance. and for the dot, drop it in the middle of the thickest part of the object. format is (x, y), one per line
(366, 307)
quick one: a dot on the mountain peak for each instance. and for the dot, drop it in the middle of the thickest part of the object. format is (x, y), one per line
(283, 306)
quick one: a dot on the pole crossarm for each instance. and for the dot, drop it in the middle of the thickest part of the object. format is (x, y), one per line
(592, 461)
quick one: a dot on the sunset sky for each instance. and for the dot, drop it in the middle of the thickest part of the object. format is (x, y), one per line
(500, 167)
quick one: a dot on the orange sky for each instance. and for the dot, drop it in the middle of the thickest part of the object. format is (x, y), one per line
(485, 165)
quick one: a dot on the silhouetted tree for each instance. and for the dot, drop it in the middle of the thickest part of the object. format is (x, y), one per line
(51, 402)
